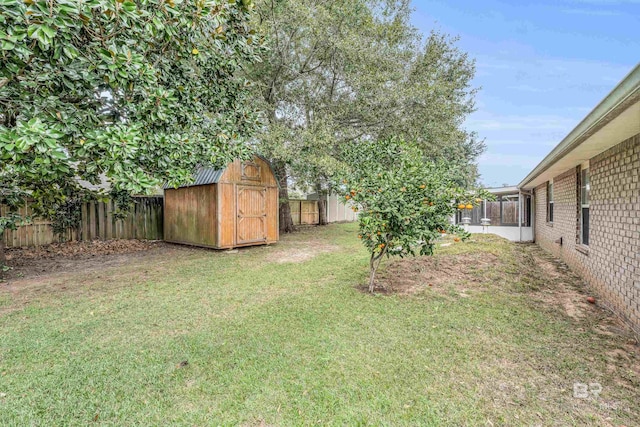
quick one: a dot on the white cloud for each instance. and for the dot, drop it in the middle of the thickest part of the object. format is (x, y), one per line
(548, 74)
(525, 140)
(592, 12)
(525, 122)
(526, 162)
(605, 2)
(528, 88)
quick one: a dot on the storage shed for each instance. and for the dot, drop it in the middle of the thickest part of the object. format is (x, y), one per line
(224, 208)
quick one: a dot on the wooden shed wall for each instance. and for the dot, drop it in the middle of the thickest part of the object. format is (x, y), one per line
(240, 210)
(240, 172)
(228, 214)
(238, 177)
(190, 215)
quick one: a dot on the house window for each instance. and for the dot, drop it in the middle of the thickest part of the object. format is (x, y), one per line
(549, 201)
(585, 188)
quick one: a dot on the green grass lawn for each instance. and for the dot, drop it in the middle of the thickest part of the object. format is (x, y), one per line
(285, 336)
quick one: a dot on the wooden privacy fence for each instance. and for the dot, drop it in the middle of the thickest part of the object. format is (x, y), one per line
(145, 221)
(304, 212)
(98, 221)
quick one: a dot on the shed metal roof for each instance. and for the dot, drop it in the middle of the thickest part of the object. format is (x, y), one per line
(203, 176)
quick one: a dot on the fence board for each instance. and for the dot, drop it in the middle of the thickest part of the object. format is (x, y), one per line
(97, 221)
(109, 218)
(102, 232)
(304, 212)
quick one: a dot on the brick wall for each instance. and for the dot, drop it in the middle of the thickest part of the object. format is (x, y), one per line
(611, 263)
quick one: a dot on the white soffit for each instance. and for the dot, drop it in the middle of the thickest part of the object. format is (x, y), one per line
(623, 127)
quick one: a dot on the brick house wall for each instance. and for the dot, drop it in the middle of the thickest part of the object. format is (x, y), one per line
(611, 263)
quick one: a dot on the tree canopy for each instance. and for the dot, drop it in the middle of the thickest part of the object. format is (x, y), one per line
(135, 92)
(341, 71)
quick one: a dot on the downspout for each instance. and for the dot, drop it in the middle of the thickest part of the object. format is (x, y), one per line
(533, 216)
(520, 214)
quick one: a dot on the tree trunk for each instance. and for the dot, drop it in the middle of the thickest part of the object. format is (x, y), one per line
(286, 222)
(322, 210)
(374, 263)
(3, 259)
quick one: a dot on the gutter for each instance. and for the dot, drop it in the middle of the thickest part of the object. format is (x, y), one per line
(627, 90)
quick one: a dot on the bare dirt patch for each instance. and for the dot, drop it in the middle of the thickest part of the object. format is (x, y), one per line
(300, 252)
(518, 268)
(75, 256)
(559, 285)
(72, 269)
(461, 273)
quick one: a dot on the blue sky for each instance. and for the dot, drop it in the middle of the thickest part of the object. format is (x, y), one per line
(542, 67)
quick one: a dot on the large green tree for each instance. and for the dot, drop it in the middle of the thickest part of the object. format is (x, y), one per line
(341, 71)
(136, 92)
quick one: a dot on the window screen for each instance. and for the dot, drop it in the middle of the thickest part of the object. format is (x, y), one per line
(550, 201)
(585, 187)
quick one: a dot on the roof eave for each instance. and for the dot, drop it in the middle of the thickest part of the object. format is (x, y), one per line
(612, 105)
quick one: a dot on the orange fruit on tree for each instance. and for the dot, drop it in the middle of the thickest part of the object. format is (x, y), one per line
(456, 239)
(347, 197)
(461, 206)
(423, 186)
(469, 206)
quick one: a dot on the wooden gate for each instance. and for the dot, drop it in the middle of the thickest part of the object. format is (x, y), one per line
(251, 225)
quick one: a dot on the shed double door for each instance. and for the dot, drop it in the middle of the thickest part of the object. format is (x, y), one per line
(251, 221)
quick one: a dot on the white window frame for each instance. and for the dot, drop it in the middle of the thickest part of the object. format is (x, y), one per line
(585, 184)
(550, 204)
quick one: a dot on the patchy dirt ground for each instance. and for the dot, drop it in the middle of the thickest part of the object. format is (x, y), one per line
(58, 258)
(295, 254)
(439, 273)
(524, 269)
(534, 365)
(78, 256)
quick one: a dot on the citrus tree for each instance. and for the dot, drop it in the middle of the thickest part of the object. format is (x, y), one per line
(404, 202)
